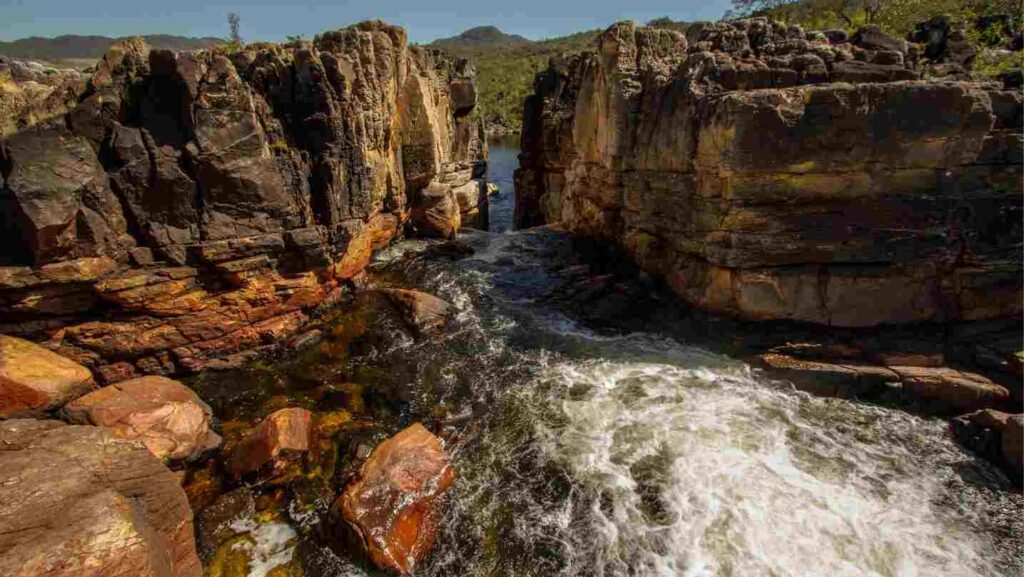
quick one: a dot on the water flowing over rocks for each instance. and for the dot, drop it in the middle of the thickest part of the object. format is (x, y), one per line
(170, 419)
(816, 180)
(183, 211)
(389, 510)
(77, 501)
(769, 173)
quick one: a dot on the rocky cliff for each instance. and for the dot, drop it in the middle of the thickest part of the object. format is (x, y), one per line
(769, 173)
(172, 209)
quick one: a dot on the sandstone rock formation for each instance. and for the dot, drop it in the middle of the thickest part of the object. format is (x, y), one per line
(76, 501)
(282, 436)
(189, 206)
(34, 380)
(769, 173)
(390, 509)
(170, 419)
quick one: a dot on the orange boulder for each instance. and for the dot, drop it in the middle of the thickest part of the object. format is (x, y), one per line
(390, 509)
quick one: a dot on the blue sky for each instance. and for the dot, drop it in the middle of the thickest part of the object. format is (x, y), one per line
(273, 20)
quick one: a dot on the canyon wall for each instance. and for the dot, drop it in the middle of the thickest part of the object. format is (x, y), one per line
(172, 211)
(769, 173)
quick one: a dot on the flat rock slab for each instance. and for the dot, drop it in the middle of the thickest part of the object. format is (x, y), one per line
(77, 501)
(168, 417)
(34, 380)
(935, 389)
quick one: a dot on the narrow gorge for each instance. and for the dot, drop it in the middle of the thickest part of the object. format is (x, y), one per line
(744, 300)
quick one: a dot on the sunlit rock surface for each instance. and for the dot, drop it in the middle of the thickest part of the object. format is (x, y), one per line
(77, 501)
(770, 173)
(170, 419)
(390, 508)
(34, 380)
(228, 192)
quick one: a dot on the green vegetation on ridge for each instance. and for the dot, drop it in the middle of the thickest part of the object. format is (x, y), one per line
(506, 65)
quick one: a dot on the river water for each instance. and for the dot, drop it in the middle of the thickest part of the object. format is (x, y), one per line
(594, 448)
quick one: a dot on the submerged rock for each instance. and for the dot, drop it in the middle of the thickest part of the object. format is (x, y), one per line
(390, 510)
(77, 501)
(218, 522)
(422, 311)
(168, 417)
(278, 439)
(34, 380)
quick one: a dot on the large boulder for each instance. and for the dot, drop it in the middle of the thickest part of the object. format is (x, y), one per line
(422, 311)
(168, 417)
(390, 509)
(76, 501)
(277, 440)
(34, 380)
(766, 174)
(435, 212)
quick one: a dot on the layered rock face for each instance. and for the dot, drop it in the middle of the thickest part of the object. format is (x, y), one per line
(769, 173)
(192, 205)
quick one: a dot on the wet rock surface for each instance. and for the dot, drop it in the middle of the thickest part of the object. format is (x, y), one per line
(282, 436)
(390, 508)
(422, 311)
(78, 501)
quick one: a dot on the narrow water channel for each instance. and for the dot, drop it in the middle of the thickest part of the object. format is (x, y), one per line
(596, 449)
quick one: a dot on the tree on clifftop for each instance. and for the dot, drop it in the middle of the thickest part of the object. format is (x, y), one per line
(234, 21)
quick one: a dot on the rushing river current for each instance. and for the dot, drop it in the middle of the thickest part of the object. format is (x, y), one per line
(604, 449)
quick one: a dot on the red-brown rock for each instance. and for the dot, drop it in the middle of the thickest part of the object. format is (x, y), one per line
(168, 417)
(391, 507)
(282, 436)
(422, 311)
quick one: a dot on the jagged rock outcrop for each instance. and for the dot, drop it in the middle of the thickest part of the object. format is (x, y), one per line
(189, 206)
(769, 173)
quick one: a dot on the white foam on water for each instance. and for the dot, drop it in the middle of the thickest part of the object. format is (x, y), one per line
(701, 473)
(273, 545)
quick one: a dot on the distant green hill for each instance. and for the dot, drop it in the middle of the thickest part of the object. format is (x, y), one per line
(482, 36)
(506, 65)
(71, 47)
